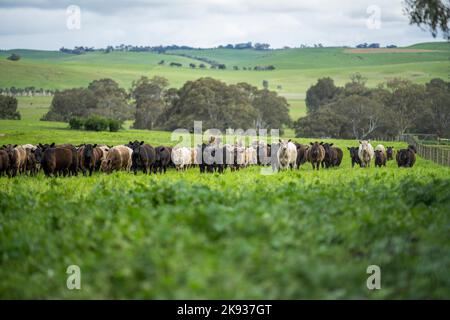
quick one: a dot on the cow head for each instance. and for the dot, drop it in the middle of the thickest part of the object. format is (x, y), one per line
(390, 152)
(284, 146)
(37, 154)
(412, 148)
(315, 149)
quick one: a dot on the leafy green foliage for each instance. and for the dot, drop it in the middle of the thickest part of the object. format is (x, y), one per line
(8, 108)
(389, 110)
(300, 234)
(14, 57)
(76, 123)
(102, 98)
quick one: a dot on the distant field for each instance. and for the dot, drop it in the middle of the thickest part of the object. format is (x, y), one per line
(384, 50)
(296, 69)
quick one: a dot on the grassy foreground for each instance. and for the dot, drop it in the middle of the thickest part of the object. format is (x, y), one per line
(299, 234)
(292, 235)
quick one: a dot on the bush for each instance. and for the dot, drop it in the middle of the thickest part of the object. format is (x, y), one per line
(14, 57)
(114, 125)
(76, 123)
(8, 108)
(96, 123)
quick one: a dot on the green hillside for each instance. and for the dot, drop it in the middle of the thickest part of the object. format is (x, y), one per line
(296, 69)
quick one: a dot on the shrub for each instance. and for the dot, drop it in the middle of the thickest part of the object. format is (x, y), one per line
(96, 123)
(76, 123)
(14, 57)
(8, 108)
(114, 125)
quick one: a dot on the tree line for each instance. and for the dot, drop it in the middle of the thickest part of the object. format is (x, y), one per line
(27, 91)
(152, 104)
(393, 108)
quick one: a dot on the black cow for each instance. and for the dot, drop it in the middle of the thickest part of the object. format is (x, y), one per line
(143, 157)
(302, 154)
(406, 157)
(4, 163)
(390, 153)
(162, 159)
(354, 156)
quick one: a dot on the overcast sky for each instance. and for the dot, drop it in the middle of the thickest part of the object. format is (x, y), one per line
(45, 24)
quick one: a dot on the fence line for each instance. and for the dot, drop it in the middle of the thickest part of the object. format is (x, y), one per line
(436, 154)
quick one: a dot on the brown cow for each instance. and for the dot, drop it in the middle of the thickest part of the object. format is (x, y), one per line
(17, 158)
(32, 166)
(57, 161)
(301, 153)
(118, 158)
(380, 158)
(316, 154)
(4, 163)
(73, 170)
(89, 158)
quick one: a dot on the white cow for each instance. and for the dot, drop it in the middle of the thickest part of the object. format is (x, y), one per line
(181, 157)
(381, 148)
(286, 155)
(365, 153)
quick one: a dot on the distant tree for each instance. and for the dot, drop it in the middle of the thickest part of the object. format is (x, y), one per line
(405, 103)
(261, 46)
(8, 108)
(102, 98)
(265, 84)
(161, 62)
(235, 68)
(14, 57)
(202, 66)
(111, 100)
(148, 95)
(437, 116)
(273, 110)
(247, 45)
(357, 85)
(70, 103)
(320, 124)
(363, 115)
(321, 93)
(192, 65)
(432, 14)
(221, 66)
(223, 106)
(175, 64)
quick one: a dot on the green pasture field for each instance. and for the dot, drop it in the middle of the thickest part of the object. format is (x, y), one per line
(292, 235)
(241, 235)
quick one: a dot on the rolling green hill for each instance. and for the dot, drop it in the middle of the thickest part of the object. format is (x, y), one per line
(296, 69)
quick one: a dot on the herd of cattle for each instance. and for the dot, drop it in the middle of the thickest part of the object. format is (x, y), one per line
(67, 159)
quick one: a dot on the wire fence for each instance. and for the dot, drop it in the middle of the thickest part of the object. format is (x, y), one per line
(439, 154)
